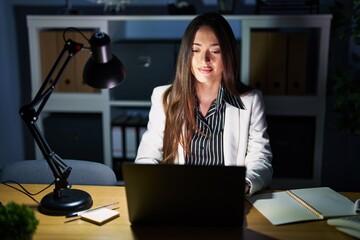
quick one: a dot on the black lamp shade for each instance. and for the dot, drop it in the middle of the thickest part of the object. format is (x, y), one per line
(103, 69)
(104, 75)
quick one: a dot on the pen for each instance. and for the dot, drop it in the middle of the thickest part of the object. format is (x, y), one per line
(74, 214)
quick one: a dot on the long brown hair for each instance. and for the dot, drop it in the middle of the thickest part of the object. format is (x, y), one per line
(179, 99)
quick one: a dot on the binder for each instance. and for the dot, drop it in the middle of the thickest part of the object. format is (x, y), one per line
(297, 63)
(258, 60)
(116, 136)
(52, 43)
(118, 141)
(126, 132)
(80, 60)
(277, 44)
(131, 136)
(268, 53)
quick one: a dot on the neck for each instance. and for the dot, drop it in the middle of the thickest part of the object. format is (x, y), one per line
(206, 95)
(206, 92)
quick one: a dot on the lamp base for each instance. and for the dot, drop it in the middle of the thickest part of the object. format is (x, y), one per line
(70, 200)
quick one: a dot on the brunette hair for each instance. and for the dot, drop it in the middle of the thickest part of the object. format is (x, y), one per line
(179, 99)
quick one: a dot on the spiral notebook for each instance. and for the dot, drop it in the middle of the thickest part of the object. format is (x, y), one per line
(298, 205)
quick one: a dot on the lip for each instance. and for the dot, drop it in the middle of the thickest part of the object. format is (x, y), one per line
(205, 69)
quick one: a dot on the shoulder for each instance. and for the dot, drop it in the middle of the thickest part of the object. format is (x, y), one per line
(158, 94)
(252, 97)
(252, 94)
(159, 90)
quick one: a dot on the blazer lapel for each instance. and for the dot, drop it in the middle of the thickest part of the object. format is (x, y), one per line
(231, 134)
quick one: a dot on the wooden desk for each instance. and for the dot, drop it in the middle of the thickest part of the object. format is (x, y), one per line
(256, 226)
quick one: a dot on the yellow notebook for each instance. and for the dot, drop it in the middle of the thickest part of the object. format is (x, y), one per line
(307, 204)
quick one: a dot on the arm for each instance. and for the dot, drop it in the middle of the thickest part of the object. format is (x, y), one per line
(258, 154)
(150, 148)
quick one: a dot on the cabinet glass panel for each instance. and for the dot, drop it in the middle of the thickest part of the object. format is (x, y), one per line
(148, 64)
(292, 139)
(75, 135)
(127, 127)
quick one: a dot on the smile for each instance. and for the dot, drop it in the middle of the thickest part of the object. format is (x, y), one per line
(206, 69)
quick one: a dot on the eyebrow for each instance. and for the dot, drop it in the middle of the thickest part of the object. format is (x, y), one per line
(212, 45)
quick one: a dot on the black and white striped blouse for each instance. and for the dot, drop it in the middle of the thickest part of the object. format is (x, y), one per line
(207, 147)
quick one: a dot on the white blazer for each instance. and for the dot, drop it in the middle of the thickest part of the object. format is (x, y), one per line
(246, 142)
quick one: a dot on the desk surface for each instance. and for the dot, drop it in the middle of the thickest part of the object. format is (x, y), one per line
(256, 226)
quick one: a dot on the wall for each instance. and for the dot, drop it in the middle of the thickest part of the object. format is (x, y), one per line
(341, 159)
(11, 142)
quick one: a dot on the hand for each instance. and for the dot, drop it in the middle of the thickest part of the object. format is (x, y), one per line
(247, 187)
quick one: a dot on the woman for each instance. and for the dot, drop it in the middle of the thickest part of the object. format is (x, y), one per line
(207, 116)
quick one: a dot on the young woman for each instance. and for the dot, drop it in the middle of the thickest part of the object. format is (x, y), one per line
(207, 116)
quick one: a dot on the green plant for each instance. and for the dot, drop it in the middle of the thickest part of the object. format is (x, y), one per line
(346, 86)
(17, 222)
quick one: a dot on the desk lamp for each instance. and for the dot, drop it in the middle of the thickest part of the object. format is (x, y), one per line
(102, 70)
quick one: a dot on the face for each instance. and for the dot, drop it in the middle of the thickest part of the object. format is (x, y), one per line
(206, 61)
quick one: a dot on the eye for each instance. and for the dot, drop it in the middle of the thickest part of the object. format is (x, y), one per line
(195, 50)
(216, 51)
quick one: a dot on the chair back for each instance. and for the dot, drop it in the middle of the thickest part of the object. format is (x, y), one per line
(39, 172)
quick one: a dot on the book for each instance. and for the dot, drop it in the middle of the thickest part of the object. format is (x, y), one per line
(298, 205)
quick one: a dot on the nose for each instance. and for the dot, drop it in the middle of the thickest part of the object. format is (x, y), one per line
(205, 56)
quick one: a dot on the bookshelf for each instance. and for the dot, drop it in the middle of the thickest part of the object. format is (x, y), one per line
(108, 106)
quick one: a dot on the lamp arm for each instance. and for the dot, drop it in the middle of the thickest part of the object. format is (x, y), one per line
(30, 114)
(45, 91)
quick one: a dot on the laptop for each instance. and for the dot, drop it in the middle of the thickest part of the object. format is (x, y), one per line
(186, 195)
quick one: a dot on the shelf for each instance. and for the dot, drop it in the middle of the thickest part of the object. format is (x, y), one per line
(294, 105)
(170, 28)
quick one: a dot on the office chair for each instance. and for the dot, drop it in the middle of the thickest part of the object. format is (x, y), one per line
(38, 171)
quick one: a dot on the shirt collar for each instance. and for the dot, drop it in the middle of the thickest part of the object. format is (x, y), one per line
(223, 96)
(228, 97)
